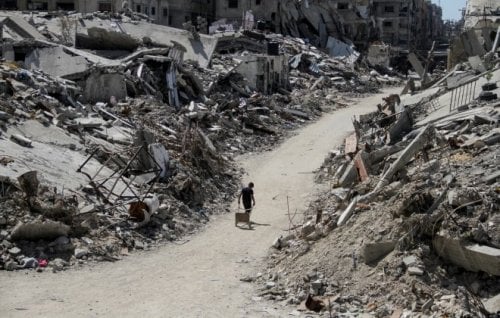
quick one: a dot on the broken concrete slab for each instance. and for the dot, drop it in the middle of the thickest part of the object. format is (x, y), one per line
(415, 271)
(372, 252)
(99, 87)
(265, 73)
(56, 62)
(338, 49)
(22, 27)
(471, 43)
(96, 38)
(21, 140)
(348, 212)
(34, 231)
(410, 260)
(415, 146)
(417, 66)
(491, 178)
(50, 144)
(161, 157)
(351, 144)
(402, 126)
(200, 50)
(350, 176)
(492, 305)
(297, 113)
(379, 54)
(474, 258)
(8, 53)
(360, 161)
(477, 64)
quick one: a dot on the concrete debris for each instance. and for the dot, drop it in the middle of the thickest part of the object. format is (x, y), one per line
(39, 230)
(375, 251)
(413, 193)
(56, 62)
(473, 257)
(131, 128)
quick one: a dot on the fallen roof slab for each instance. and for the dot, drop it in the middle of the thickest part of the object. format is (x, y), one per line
(22, 27)
(56, 62)
(200, 50)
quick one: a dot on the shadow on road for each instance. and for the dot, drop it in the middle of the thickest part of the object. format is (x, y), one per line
(252, 226)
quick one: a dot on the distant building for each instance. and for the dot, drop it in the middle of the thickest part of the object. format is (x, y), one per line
(233, 11)
(84, 6)
(403, 24)
(482, 14)
(175, 12)
(410, 25)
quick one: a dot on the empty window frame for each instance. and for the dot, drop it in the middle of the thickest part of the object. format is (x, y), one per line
(232, 4)
(104, 6)
(342, 6)
(389, 9)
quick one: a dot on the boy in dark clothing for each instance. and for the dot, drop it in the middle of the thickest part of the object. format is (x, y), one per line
(248, 198)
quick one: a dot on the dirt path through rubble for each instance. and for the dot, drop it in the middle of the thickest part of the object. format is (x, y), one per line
(199, 278)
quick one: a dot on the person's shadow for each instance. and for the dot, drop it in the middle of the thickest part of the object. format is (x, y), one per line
(252, 225)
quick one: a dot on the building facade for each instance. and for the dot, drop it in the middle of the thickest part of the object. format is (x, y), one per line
(84, 6)
(404, 24)
(409, 25)
(175, 12)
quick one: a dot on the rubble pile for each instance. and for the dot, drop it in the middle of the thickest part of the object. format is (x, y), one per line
(409, 224)
(115, 139)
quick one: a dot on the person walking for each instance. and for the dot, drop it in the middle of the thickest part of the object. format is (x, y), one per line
(248, 198)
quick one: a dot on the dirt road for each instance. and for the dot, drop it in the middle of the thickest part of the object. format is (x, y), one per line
(199, 278)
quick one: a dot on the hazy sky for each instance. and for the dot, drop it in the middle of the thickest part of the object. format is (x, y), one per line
(451, 8)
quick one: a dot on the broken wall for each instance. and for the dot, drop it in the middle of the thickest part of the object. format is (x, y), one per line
(100, 87)
(233, 10)
(318, 20)
(56, 62)
(265, 73)
(379, 54)
(103, 39)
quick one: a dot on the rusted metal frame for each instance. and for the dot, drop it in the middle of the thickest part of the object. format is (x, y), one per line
(97, 186)
(100, 195)
(101, 184)
(125, 169)
(157, 172)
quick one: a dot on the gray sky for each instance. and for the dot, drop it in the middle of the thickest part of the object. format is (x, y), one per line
(451, 8)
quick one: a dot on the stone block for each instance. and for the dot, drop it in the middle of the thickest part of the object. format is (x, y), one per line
(351, 144)
(415, 271)
(372, 252)
(100, 87)
(474, 258)
(350, 176)
(492, 305)
(361, 165)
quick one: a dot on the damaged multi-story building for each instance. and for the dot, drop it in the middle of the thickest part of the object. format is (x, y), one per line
(176, 12)
(84, 6)
(383, 28)
(483, 16)
(403, 24)
(480, 27)
(409, 25)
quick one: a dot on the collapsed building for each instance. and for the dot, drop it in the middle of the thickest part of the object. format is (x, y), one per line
(480, 27)
(409, 26)
(119, 134)
(408, 222)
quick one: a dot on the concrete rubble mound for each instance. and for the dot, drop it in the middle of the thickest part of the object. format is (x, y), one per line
(408, 223)
(118, 134)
